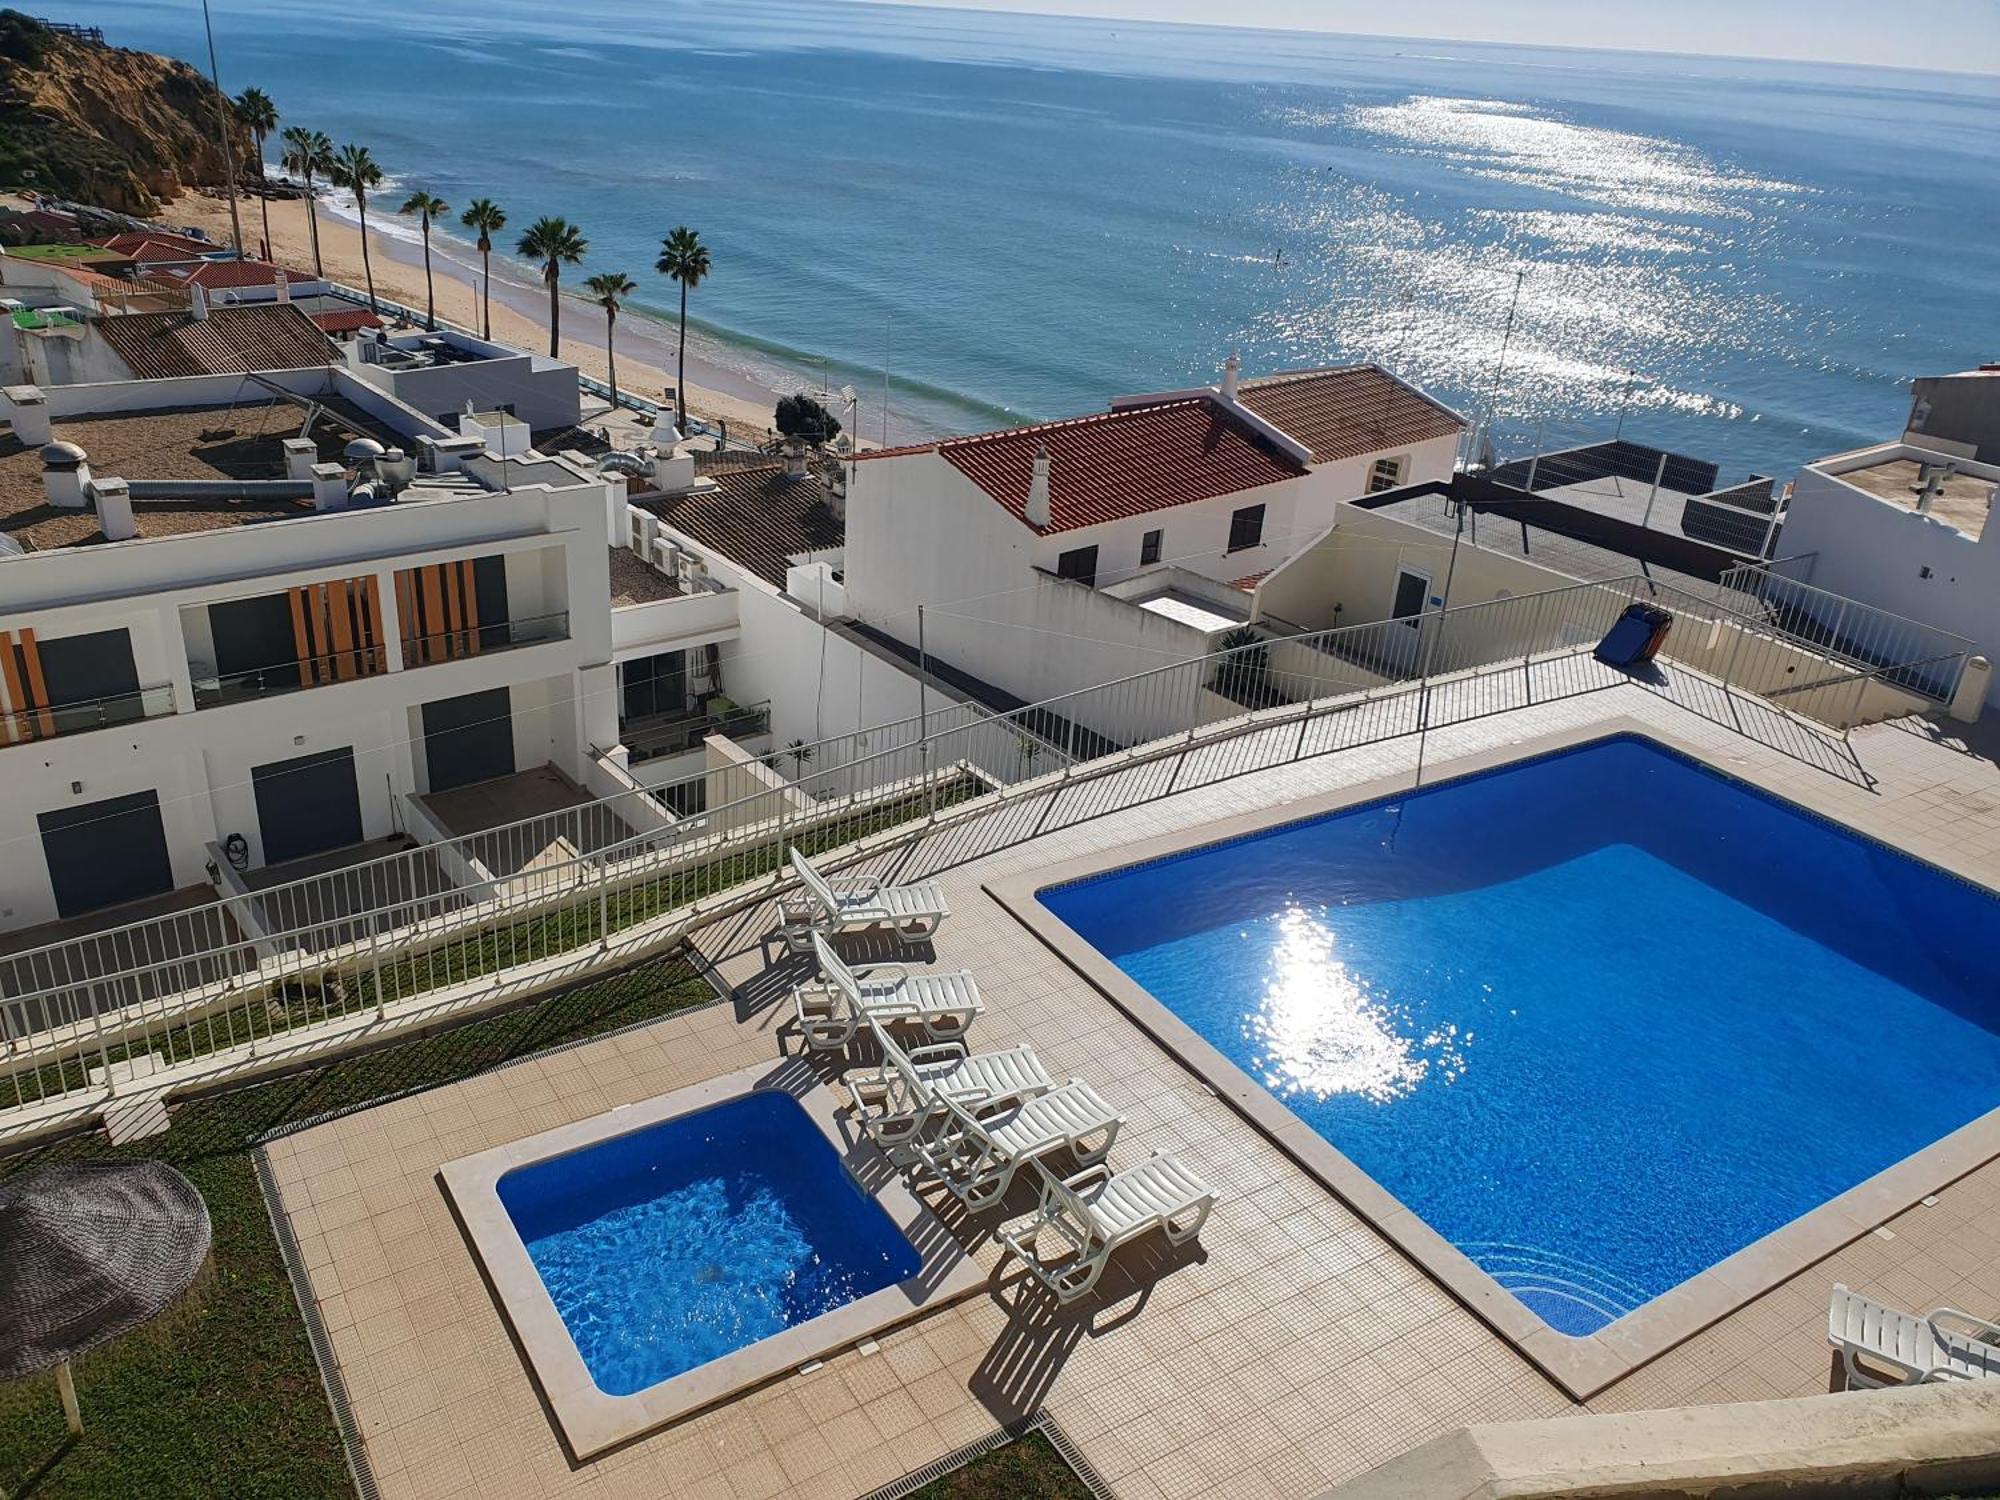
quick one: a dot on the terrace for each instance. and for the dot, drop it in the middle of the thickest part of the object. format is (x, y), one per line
(1297, 1348)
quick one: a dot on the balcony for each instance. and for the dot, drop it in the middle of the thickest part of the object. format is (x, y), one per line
(479, 640)
(21, 726)
(658, 735)
(251, 684)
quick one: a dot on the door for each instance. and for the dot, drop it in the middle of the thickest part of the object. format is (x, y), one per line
(1400, 646)
(91, 679)
(468, 739)
(106, 853)
(256, 645)
(307, 804)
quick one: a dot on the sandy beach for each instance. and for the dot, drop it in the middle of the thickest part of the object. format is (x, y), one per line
(729, 397)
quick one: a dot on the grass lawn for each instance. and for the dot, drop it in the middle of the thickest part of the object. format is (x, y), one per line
(220, 1396)
(1029, 1468)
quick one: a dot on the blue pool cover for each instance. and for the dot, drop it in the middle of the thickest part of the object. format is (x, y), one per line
(1601, 1018)
(687, 1240)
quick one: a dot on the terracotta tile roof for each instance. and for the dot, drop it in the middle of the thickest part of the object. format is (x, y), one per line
(1249, 583)
(267, 336)
(1116, 464)
(346, 320)
(756, 517)
(217, 274)
(158, 245)
(1346, 412)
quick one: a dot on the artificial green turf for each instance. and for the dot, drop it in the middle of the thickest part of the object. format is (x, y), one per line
(220, 1396)
(1029, 1468)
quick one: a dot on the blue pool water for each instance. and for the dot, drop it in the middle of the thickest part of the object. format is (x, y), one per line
(1601, 1019)
(680, 1243)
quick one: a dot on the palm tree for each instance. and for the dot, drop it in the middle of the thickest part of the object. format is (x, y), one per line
(486, 216)
(255, 109)
(308, 152)
(610, 289)
(427, 206)
(684, 258)
(555, 243)
(355, 169)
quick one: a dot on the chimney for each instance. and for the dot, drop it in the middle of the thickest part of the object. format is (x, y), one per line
(197, 302)
(29, 409)
(284, 285)
(114, 510)
(329, 487)
(1232, 367)
(66, 476)
(795, 460)
(301, 455)
(1037, 510)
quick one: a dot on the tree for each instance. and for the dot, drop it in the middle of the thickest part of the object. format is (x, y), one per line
(803, 416)
(427, 206)
(309, 152)
(555, 243)
(255, 109)
(683, 258)
(489, 218)
(611, 289)
(355, 169)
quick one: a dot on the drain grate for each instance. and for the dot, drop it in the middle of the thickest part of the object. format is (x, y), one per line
(1000, 1437)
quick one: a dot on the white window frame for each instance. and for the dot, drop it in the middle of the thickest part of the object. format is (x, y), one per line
(1397, 465)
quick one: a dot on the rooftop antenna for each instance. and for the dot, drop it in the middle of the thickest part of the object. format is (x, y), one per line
(1623, 402)
(222, 132)
(888, 326)
(1506, 338)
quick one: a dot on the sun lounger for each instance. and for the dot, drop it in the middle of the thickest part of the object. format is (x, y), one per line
(1097, 1210)
(910, 1089)
(976, 1152)
(831, 1010)
(913, 912)
(1945, 1344)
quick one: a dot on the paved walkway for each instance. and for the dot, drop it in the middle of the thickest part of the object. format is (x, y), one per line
(1296, 1348)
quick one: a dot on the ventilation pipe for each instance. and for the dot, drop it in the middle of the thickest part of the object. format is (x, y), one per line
(1232, 370)
(284, 286)
(329, 483)
(1038, 491)
(114, 510)
(1930, 485)
(66, 476)
(301, 457)
(197, 302)
(28, 409)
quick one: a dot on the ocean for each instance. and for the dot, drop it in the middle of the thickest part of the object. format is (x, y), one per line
(1012, 217)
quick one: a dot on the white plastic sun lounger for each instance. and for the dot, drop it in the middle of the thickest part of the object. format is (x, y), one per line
(1096, 1211)
(1944, 1344)
(909, 1089)
(914, 912)
(976, 1152)
(833, 1009)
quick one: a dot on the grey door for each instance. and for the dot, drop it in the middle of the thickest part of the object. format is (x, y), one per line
(106, 853)
(307, 804)
(468, 739)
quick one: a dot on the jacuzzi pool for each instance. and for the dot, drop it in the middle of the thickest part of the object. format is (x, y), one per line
(1600, 1019)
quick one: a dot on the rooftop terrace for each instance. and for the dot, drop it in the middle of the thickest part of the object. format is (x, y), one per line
(1964, 501)
(185, 443)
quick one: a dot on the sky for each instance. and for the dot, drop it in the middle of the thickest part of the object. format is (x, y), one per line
(1953, 35)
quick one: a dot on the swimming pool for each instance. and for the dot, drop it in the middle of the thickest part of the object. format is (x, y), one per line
(681, 1243)
(1600, 1019)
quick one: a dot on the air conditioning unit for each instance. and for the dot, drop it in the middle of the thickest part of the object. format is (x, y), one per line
(645, 532)
(667, 557)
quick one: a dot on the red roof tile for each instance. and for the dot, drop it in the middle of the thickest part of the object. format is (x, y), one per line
(1117, 464)
(158, 243)
(215, 274)
(755, 515)
(1346, 412)
(267, 336)
(345, 320)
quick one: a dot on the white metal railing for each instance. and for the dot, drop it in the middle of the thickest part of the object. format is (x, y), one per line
(208, 983)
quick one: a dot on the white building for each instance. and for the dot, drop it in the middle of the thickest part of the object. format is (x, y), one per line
(1055, 557)
(440, 373)
(1908, 528)
(236, 633)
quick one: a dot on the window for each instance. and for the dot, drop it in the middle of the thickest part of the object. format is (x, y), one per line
(1149, 548)
(1386, 474)
(1246, 528)
(1079, 564)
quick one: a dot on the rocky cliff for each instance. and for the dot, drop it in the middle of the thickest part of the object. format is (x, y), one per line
(105, 125)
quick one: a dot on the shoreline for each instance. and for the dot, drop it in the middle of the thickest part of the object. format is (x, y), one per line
(713, 391)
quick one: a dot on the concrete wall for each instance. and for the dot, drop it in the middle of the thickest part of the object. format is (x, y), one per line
(1894, 559)
(1928, 1440)
(541, 392)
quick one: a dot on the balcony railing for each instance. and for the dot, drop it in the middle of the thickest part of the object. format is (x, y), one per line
(19, 726)
(288, 677)
(659, 735)
(477, 640)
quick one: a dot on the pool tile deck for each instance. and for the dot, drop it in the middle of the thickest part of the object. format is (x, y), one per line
(1297, 1349)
